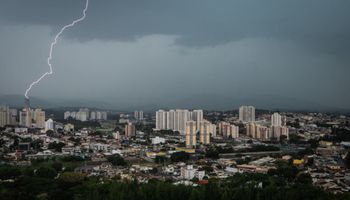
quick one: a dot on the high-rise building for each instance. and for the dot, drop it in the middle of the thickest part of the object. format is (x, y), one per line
(73, 114)
(182, 116)
(197, 116)
(276, 119)
(103, 115)
(138, 115)
(251, 130)
(130, 130)
(161, 120)
(98, 115)
(204, 132)
(39, 118)
(49, 125)
(228, 130)
(277, 131)
(93, 115)
(25, 117)
(82, 114)
(191, 134)
(170, 120)
(67, 114)
(176, 119)
(247, 113)
(213, 130)
(278, 127)
(262, 132)
(5, 116)
(13, 116)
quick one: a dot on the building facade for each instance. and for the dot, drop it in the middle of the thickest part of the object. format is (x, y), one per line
(247, 114)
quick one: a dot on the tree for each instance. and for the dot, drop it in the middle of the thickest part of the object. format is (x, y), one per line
(57, 166)
(212, 153)
(160, 159)
(304, 178)
(180, 156)
(9, 172)
(56, 146)
(116, 160)
(71, 177)
(46, 172)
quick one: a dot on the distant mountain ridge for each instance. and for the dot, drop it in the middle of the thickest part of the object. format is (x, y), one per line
(203, 101)
(17, 101)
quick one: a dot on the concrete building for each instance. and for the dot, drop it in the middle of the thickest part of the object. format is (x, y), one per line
(176, 119)
(276, 119)
(188, 172)
(197, 116)
(277, 131)
(191, 134)
(247, 113)
(4, 116)
(130, 130)
(13, 116)
(25, 117)
(204, 132)
(228, 130)
(138, 115)
(161, 120)
(39, 118)
(67, 114)
(158, 140)
(258, 131)
(278, 127)
(82, 114)
(104, 115)
(49, 125)
(93, 115)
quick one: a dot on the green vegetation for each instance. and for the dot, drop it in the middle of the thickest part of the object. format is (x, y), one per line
(338, 135)
(56, 146)
(116, 160)
(180, 156)
(70, 185)
(212, 153)
(253, 148)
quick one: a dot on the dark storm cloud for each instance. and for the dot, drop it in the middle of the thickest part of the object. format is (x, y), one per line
(140, 52)
(322, 24)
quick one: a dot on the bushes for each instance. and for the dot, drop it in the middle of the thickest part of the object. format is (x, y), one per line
(46, 172)
(180, 156)
(116, 160)
(9, 172)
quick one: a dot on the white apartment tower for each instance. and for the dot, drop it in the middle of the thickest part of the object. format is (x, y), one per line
(49, 125)
(197, 116)
(161, 120)
(138, 115)
(176, 119)
(247, 113)
(276, 119)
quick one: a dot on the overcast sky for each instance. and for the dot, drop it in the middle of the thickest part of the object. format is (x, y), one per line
(157, 52)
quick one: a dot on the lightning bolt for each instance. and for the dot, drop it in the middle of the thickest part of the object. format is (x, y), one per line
(52, 47)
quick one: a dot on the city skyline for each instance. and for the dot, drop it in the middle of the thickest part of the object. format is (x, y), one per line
(169, 100)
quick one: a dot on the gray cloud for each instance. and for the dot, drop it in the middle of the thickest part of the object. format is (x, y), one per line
(152, 52)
